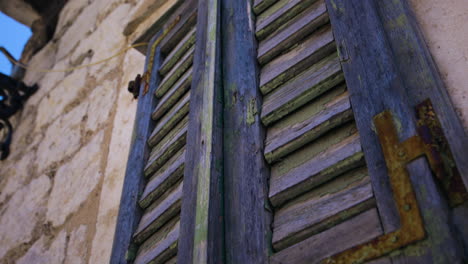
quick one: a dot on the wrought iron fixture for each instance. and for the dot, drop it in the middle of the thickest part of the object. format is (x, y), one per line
(13, 94)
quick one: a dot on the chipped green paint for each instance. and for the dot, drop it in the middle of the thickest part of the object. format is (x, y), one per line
(262, 5)
(294, 8)
(307, 96)
(308, 110)
(174, 58)
(310, 136)
(272, 9)
(313, 149)
(252, 111)
(175, 73)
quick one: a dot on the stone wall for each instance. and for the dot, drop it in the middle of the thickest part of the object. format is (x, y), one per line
(444, 25)
(60, 188)
(61, 185)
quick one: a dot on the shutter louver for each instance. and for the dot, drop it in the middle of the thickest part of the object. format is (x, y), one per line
(157, 233)
(319, 184)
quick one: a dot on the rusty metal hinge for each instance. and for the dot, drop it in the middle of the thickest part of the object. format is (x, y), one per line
(430, 143)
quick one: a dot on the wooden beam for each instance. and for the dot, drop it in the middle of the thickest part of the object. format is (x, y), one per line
(201, 237)
(378, 80)
(129, 211)
(247, 213)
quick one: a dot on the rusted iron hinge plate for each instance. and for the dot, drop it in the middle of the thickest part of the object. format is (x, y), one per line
(430, 143)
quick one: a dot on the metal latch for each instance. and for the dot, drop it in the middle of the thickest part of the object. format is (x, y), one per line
(430, 143)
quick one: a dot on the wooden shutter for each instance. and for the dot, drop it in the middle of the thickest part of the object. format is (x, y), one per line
(319, 183)
(329, 187)
(268, 154)
(157, 160)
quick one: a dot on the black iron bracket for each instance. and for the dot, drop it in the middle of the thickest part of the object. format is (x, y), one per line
(13, 95)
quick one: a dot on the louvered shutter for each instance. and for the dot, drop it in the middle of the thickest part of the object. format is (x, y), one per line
(267, 153)
(318, 175)
(328, 184)
(157, 160)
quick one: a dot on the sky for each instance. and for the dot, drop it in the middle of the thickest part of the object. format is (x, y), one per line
(13, 36)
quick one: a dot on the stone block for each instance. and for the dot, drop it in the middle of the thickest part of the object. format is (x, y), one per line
(62, 138)
(110, 33)
(40, 254)
(75, 180)
(22, 213)
(77, 247)
(101, 102)
(68, 91)
(16, 175)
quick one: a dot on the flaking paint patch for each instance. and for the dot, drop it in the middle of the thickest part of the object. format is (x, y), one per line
(252, 111)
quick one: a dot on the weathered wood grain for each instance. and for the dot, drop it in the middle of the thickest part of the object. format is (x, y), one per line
(156, 216)
(278, 14)
(168, 175)
(129, 211)
(176, 54)
(288, 140)
(177, 113)
(293, 32)
(313, 82)
(289, 65)
(161, 246)
(202, 224)
(260, 5)
(378, 80)
(173, 260)
(247, 216)
(170, 137)
(162, 152)
(173, 95)
(353, 232)
(308, 110)
(328, 164)
(188, 19)
(324, 206)
(177, 71)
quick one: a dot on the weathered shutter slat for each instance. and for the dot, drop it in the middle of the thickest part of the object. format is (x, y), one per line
(179, 69)
(322, 207)
(166, 149)
(177, 53)
(158, 214)
(170, 120)
(260, 5)
(325, 160)
(165, 177)
(279, 14)
(293, 32)
(355, 231)
(173, 95)
(188, 20)
(285, 67)
(291, 138)
(313, 82)
(160, 246)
